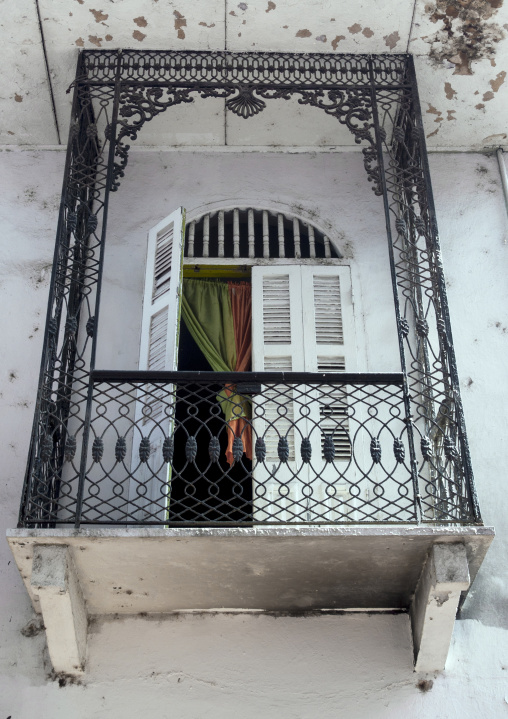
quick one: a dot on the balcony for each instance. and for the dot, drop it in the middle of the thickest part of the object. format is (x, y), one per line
(339, 490)
(324, 449)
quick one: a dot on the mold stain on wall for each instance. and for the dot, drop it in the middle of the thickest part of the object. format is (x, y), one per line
(465, 32)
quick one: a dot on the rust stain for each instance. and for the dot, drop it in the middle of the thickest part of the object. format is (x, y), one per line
(500, 78)
(138, 35)
(480, 106)
(367, 32)
(180, 23)
(205, 25)
(451, 114)
(140, 21)
(392, 39)
(303, 33)
(449, 91)
(355, 28)
(80, 42)
(336, 40)
(99, 15)
(488, 96)
(109, 38)
(321, 38)
(271, 6)
(463, 33)
(18, 98)
(95, 40)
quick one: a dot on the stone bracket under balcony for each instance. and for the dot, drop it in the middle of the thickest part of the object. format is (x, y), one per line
(273, 569)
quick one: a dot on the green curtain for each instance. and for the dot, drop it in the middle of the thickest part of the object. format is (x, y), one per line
(206, 310)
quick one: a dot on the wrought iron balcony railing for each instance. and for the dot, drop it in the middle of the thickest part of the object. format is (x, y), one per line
(112, 448)
(325, 448)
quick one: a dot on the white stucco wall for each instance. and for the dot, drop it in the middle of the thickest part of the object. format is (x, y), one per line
(228, 666)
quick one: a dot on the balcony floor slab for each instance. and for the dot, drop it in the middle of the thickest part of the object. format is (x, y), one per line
(270, 568)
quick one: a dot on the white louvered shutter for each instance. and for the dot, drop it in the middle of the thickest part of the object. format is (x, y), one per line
(329, 347)
(158, 352)
(277, 335)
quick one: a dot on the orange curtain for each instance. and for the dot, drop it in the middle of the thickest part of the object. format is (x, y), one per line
(241, 303)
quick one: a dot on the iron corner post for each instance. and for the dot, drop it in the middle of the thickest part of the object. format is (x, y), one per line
(396, 301)
(450, 352)
(107, 190)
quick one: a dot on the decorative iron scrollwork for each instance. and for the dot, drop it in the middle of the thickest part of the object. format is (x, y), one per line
(283, 449)
(399, 450)
(70, 447)
(168, 449)
(237, 449)
(306, 450)
(191, 449)
(375, 450)
(144, 449)
(260, 449)
(245, 104)
(120, 449)
(214, 449)
(97, 449)
(328, 448)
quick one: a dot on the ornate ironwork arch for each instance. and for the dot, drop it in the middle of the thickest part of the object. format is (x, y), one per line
(351, 107)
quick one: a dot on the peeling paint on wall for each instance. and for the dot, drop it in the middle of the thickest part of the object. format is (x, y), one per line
(449, 91)
(303, 33)
(138, 35)
(500, 78)
(99, 15)
(180, 23)
(355, 28)
(140, 21)
(391, 40)
(463, 35)
(95, 40)
(271, 6)
(336, 40)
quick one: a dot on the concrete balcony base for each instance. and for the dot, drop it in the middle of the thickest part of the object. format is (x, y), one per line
(275, 569)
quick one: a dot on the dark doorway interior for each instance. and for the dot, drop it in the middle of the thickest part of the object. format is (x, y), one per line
(205, 491)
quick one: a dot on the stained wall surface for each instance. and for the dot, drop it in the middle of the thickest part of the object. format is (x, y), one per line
(245, 665)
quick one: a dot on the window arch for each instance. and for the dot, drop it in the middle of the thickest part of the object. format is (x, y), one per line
(255, 233)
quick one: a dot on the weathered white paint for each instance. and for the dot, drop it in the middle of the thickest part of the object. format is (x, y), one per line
(26, 115)
(283, 569)
(460, 110)
(434, 606)
(55, 583)
(230, 666)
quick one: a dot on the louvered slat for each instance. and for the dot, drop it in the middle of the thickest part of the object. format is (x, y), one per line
(163, 256)
(156, 362)
(276, 310)
(328, 310)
